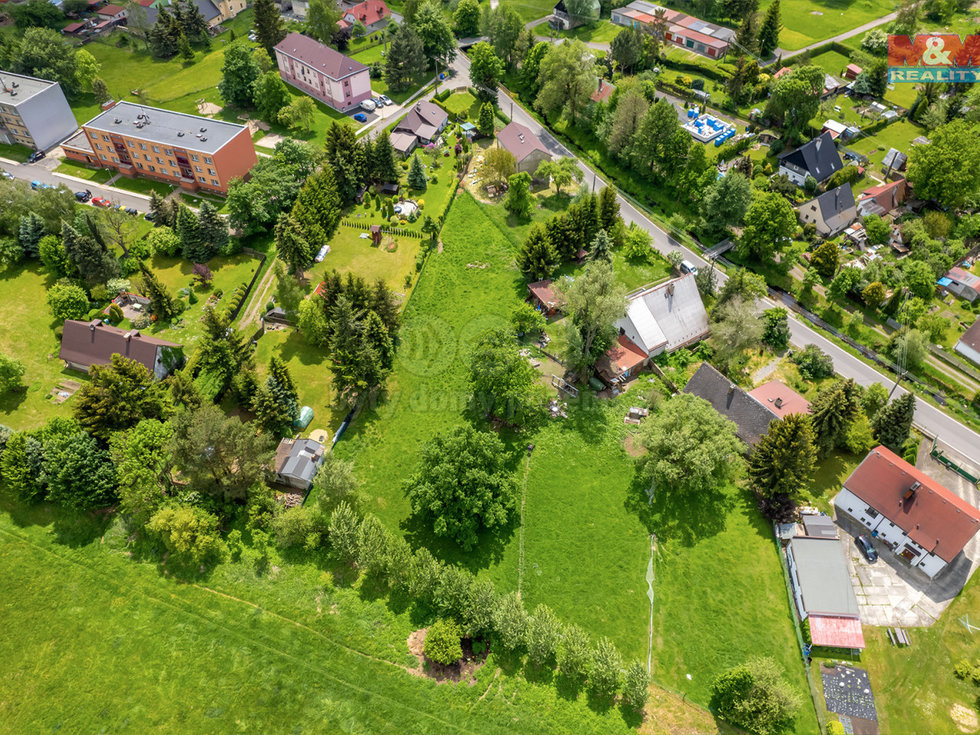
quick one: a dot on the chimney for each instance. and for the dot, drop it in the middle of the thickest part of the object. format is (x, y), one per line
(778, 403)
(128, 336)
(731, 388)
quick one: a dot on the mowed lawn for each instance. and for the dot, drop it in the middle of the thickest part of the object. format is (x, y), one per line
(119, 647)
(350, 253)
(809, 21)
(914, 687)
(27, 334)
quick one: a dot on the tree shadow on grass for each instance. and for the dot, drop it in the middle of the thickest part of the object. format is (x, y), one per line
(599, 703)
(680, 516)
(568, 687)
(82, 529)
(539, 674)
(632, 717)
(489, 549)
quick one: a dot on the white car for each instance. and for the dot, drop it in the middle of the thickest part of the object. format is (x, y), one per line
(322, 254)
(368, 105)
(385, 99)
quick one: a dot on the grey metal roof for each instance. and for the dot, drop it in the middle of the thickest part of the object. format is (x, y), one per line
(836, 207)
(207, 8)
(751, 417)
(677, 308)
(818, 157)
(166, 127)
(894, 159)
(820, 526)
(825, 584)
(302, 461)
(26, 87)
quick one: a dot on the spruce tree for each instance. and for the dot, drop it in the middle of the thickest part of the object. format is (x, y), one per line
(269, 28)
(191, 245)
(783, 460)
(893, 423)
(376, 335)
(746, 34)
(769, 32)
(485, 122)
(383, 303)
(165, 35)
(537, 257)
(346, 159)
(276, 404)
(29, 234)
(416, 175)
(162, 303)
(212, 229)
(608, 208)
(601, 247)
(317, 209)
(356, 366)
(93, 262)
(383, 166)
(834, 410)
(292, 246)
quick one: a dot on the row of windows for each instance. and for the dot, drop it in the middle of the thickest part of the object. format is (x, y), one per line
(155, 148)
(164, 171)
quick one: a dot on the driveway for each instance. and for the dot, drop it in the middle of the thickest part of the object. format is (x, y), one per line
(890, 592)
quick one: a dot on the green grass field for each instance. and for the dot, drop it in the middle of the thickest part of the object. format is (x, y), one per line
(27, 334)
(78, 170)
(531, 9)
(586, 523)
(349, 253)
(897, 135)
(124, 648)
(602, 31)
(461, 102)
(18, 153)
(144, 186)
(809, 21)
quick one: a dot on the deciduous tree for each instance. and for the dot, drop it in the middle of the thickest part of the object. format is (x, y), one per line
(189, 532)
(690, 446)
(755, 696)
(142, 459)
(769, 224)
(594, 301)
(826, 258)
(503, 383)
(486, 70)
(566, 78)
(442, 642)
(561, 171)
(519, 201)
(461, 485)
(67, 301)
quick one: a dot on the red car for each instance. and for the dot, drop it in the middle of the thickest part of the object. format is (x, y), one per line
(101, 202)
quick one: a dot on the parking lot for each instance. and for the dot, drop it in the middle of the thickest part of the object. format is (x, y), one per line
(890, 592)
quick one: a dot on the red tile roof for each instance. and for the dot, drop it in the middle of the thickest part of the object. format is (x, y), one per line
(936, 519)
(94, 343)
(110, 10)
(604, 91)
(72, 27)
(782, 72)
(780, 399)
(623, 356)
(370, 11)
(887, 196)
(835, 631)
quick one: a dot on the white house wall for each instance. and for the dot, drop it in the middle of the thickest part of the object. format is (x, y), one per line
(968, 352)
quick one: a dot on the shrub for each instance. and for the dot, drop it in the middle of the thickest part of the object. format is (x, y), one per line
(835, 728)
(442, 642)
(67, 301)
(115, 313)
(814, 363)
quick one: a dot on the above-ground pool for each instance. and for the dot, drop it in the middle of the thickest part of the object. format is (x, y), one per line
(706, 128)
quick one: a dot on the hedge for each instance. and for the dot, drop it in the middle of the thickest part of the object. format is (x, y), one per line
(730, 150)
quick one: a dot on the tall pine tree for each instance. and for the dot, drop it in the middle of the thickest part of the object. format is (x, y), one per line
(893, 423)
(292, 246)
(29, 234)
(94, 263)
(783, 460)
(769, 32)
(608, 208)
(834, 410)
(356, 366)
(317, 208)
(416, 175)
(162, 303)
(269, 28)
(376, 335)
(191, 245)
(212, 230)
(384, 169)
(346, 159)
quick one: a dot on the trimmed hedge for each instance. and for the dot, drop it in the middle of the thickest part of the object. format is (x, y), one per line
(731, 150)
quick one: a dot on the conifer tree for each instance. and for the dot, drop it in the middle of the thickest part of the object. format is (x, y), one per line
(276, 404)
(269, 28)
(485, 122)
(383, 303)
(834, 410)
(162, 303)
(537, 257)
(893, 423)
(29, 234)
(601, 247)
(191, 245)
(608, 208)
(292, 246)
(93, 262)
(212, 229)
(317, 209)
(769, 32)
(416, 175)
(376, 335)
(782, 461)
(383, 166)
(164, 211)
(346, 160)
(356, 365)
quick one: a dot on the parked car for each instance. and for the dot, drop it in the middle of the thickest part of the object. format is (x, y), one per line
(83, 196)
(40, 185)
(35, 157)
(688, 267)
(368, 105)
(131, 211)
(378, 102)
(360, 117)
(322, 254)
(869, 551)
(252, 36)
(149, 216)
(101, 202)
(385, 100)
(6, 174)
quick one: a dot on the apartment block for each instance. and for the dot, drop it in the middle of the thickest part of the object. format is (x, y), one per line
(195, 153)
(322, 72)
(33, 112)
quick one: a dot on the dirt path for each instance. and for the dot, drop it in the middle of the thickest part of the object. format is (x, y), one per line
(260, 296)
(520, 543)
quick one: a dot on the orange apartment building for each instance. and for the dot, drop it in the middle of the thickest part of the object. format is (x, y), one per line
(195, 153)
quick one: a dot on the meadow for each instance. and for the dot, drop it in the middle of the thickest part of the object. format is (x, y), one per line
(809, 21)
(583, 544)
(124, 647)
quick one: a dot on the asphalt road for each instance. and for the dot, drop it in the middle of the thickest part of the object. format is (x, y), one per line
(38, 172)
(928, 418)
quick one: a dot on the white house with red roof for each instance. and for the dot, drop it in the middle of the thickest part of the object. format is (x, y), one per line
(917, 518)
(323, 73)
(372, 14)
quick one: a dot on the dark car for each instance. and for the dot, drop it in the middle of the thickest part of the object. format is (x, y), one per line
(131, 211)
(869, 551)
(35, 157)
(149, 216)
(83, 196)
